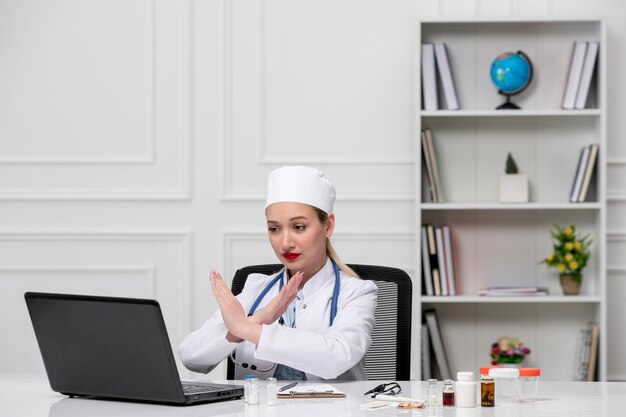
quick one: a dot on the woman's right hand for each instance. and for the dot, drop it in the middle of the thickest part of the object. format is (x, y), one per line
(278, 305)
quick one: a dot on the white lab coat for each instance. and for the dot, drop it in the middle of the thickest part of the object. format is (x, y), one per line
(313, 346)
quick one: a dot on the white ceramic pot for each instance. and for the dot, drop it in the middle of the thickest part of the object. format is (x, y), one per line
(513, 188)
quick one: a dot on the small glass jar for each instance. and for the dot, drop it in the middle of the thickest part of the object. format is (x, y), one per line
(448, 393)
(253, 391)
(487, 391)
(432, 393)
(528, 384)
(271, 391)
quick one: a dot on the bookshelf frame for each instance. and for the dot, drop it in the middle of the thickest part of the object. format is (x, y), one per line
(471, 145)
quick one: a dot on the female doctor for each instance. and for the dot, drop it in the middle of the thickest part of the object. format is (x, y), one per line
(310, 321)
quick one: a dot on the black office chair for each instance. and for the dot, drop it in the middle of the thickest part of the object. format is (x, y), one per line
(389, 356)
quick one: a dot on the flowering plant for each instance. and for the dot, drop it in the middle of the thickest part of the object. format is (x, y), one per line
(508, 350)
(570, 254)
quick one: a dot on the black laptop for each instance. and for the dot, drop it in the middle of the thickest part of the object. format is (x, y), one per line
(114, 348)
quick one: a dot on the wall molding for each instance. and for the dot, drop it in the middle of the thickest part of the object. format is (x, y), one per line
(183, 134)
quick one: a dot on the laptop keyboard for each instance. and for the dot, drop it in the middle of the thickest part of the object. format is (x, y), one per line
(195, 389)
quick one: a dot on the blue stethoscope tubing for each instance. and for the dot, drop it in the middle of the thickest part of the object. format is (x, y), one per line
(279, 278)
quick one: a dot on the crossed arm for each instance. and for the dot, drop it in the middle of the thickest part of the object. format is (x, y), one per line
(240, 327)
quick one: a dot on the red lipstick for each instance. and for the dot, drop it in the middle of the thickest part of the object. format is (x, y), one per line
(290, 256)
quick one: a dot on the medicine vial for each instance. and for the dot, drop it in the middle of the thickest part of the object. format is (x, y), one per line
(465, 395)
(487, 391)
(246, 387)
(448, 393)
(431, 393)
(271, 391)
(253, 391)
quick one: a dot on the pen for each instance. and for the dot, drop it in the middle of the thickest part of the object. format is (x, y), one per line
(286, 387)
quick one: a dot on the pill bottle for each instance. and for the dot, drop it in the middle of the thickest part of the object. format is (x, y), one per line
(487, 391)
(528, 384)
(271, 391)
(507, 385)
(484, 370)
(465, 395)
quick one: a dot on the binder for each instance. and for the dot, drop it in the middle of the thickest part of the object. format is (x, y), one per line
(575, 72)
(429, 77)
(445, 75)
(587, 75)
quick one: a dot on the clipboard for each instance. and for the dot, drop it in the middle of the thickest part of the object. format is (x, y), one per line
(312, 391)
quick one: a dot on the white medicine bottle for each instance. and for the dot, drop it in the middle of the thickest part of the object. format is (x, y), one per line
(466, 393)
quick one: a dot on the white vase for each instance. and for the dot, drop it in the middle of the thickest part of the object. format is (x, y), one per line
(513, 188)
(511, 365)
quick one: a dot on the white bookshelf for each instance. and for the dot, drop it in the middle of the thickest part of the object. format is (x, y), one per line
(502, 244)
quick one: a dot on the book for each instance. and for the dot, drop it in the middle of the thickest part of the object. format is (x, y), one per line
(587, 74)
(427, 272)
(580, 369)
(429, 78)
(441, 358)
(429, 168)
(591, 163)
(513, 291)
(580, 174)
(577, 61)
(434, 263)
(441, 258)
(426, 358)
(593, 352)
(445, 75)
(450, 256)
(435, 165)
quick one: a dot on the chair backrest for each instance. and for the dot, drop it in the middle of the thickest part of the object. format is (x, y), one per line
(389, 356)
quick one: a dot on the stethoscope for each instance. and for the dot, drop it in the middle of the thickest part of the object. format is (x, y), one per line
(279, 278)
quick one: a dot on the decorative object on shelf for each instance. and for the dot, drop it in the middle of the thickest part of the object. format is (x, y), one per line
(511, 73)
(569, 256)
(508, 351)
(513, 186)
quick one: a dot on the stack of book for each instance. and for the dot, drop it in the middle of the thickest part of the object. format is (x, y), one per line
(438, 259)
(584, 173)
(434, 358)
(586, 354)
(435, 60)
(581, 70)
(431, 168)
(513, 291)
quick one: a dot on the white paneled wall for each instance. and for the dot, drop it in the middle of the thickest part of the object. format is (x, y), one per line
(136, 136)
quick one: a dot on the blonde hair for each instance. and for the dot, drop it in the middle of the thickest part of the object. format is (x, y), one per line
(330, 251)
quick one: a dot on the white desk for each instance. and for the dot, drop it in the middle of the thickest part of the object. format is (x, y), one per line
(27, 397)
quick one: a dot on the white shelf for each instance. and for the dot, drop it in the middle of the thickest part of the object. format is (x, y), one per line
(476, 299)
(510, 113)
(502, 206)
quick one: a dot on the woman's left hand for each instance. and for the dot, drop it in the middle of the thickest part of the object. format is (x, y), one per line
(233, 313)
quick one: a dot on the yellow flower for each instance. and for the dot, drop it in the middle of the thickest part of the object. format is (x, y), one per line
(577, 245)
(568, 231)
(551, 258)
(569, 257)
(569, 246)
(573, 265)
(561, 267)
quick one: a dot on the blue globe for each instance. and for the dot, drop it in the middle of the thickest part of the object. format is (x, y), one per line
(511, 72)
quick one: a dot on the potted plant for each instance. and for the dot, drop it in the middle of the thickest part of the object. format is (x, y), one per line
(508, 351)
(513, 185)
(569, 256)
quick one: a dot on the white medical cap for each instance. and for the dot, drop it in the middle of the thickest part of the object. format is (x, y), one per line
(300, 184)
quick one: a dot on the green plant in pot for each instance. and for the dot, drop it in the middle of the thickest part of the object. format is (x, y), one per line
(570, 254)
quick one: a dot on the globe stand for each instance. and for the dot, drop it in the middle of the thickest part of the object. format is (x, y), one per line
(507, 105)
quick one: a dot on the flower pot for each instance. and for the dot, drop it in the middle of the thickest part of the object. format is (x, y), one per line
(570, 285)
(511, 365)
(513, 188)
